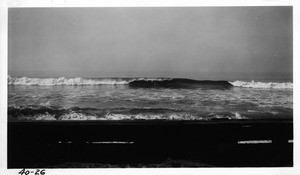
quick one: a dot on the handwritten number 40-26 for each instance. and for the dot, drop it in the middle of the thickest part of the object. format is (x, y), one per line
(28, 172)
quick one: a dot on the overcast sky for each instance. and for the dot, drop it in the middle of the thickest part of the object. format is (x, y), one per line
(192, 39)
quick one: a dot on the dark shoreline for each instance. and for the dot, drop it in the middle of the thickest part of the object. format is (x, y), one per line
(150, 143)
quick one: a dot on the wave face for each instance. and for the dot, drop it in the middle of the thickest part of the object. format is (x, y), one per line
(179, 83)
(269, 85)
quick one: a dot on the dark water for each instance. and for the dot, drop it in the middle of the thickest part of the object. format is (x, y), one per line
(146, 99)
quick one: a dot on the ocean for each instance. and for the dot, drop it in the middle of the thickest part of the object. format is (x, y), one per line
(58, 99)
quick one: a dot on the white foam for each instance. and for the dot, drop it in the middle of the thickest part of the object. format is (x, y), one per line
(235, 116)
(77, 116)
(268, 85)
(45, 116)
(62, 81)
(151, 117)
(110, 116)
(72, 81)
(153, 79)
(46, 104)
(238, 116)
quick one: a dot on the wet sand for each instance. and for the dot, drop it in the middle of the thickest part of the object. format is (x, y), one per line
(141, 143)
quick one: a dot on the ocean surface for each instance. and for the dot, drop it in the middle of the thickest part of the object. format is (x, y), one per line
(146, 99)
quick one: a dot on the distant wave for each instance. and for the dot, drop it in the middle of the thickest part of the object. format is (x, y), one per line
(145, 82)
(269, 85)
(62, 81)
(134, 82)
(179, 83)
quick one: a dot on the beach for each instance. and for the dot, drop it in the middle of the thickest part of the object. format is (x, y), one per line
(120, 144)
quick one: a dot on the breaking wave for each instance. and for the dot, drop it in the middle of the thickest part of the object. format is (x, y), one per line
(75, 113)
(62, 81)
(145, 82)
(269, 85)
(134, 82)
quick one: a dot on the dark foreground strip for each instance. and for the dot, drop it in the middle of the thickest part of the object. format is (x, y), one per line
(71, 144)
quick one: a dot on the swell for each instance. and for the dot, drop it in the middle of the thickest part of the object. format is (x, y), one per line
(180, 83)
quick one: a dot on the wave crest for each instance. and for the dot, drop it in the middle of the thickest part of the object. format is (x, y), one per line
(134, 82)
(268, 85)
(62, 81)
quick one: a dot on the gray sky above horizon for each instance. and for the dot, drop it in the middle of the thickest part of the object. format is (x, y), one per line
(182, 39)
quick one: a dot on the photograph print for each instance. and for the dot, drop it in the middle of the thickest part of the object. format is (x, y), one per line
(150, 87)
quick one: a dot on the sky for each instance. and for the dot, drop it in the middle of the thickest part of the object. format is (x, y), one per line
(197, 42)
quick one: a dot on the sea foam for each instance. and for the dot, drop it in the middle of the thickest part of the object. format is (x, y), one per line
(62, 81)
(268, 85)
(26, 81)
